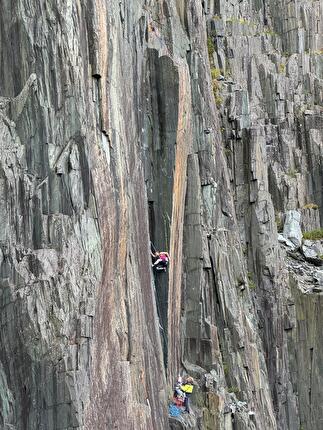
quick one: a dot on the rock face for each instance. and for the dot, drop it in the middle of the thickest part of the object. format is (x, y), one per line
(198, 126)
(292, 228)
(80, 338)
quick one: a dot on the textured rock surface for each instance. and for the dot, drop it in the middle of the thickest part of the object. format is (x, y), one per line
(269, 54)
(79, 332)
(292, 228)
(194, 124)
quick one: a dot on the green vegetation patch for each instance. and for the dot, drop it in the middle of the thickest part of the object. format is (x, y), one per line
(218, 101)
(234, 389)
(310, 206)
(225, 369)
(281, 68)
(292, 173)
(210, 47)
(215, 74)
(251, 282)
(313, 234)
(269, 31)
(317, 52)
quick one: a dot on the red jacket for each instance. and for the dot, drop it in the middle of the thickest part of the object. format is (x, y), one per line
(163, 256)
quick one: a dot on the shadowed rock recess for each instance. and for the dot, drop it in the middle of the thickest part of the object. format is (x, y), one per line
(198, 126)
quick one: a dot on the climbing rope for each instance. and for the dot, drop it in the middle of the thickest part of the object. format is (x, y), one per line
(161, 328)
(152, 247)
(159, 315)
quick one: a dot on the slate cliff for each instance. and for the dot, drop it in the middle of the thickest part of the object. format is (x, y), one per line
(196, 125)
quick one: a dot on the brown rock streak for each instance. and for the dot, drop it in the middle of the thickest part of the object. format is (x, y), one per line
(183, 144)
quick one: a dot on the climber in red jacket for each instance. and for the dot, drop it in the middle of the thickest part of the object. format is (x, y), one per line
(161, 260)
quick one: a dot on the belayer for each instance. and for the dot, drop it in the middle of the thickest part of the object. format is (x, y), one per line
(187, 388)
(179, 395)
(183, 391)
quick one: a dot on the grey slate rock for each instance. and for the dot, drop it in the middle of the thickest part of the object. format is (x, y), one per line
(292, 229)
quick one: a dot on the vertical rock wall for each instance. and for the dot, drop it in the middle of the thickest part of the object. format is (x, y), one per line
(192, 124)
(80, 338)
(267, 82)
